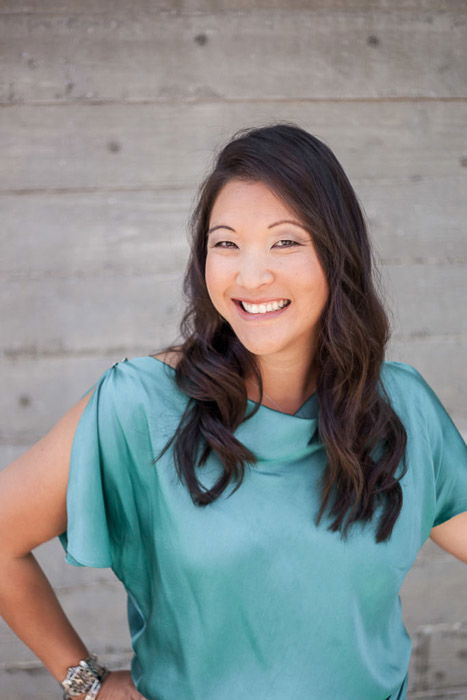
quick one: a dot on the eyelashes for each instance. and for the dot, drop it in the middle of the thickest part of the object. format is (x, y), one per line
(283, 240)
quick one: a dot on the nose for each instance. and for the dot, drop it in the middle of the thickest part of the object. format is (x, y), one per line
(253, 272)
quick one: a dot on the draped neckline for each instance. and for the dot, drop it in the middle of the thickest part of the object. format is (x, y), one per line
(273, 435)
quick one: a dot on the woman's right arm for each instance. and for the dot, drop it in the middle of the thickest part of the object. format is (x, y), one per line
(32, 511)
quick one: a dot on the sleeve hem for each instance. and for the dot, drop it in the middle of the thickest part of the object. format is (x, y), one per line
(80, 561)
(75, 559)
(458, 510)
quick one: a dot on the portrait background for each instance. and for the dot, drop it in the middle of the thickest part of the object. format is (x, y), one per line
(111, 113)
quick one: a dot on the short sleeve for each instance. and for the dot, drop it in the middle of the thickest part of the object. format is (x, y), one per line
(97, 456)
(449, 457)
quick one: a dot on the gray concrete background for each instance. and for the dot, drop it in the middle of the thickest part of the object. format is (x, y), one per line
(110, 112)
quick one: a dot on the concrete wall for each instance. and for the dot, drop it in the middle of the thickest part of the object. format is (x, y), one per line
(110, 112)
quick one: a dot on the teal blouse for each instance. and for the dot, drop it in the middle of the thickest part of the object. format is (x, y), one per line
(247, 598)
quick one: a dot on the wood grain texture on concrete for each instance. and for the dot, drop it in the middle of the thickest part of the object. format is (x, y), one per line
(110, 116)
(131, 302)
(410, 219)
(313, 50)
(126, 147)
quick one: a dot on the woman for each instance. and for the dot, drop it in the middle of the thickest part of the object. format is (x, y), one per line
(262, 489)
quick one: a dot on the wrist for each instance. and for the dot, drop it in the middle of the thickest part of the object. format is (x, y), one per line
(84, 680)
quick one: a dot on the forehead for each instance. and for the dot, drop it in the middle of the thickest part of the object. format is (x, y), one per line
(240, 199)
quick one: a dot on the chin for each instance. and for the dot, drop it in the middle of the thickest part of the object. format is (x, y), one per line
(261, 348)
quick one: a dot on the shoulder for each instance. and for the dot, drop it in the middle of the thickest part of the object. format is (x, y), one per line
(170, 357)
(138, 386)
(399, 376)
(142, 369)
(118, 390)
(400, 368)
(411, 395)
(407, 390)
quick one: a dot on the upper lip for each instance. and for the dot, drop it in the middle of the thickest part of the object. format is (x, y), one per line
(260, 301)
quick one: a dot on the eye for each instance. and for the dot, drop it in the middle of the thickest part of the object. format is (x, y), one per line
(287, 240)
(218, 244)
(283, 240)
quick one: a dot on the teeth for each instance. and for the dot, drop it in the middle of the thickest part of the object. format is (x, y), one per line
(263, 308)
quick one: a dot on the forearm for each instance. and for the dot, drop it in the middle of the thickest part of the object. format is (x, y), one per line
(30, 607)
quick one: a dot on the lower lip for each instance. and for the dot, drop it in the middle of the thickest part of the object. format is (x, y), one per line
(259, 317)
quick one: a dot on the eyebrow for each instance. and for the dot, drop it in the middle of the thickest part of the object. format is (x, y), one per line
(276, 223)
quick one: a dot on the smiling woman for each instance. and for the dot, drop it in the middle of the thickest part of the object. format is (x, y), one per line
(269, 187)
(257, 280)
(343, 464)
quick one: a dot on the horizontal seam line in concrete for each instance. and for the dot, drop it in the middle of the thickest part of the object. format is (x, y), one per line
(114, 585)
(401, 262)
(228, 100)
(120, 350)
(33, 664)
(46, 191)
(27, 352)
(324, 9)
(120, 271)
(116, 274)
(420, 335)
(91, 190)
(241, 11)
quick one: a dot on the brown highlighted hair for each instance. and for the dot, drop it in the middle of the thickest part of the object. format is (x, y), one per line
(363, 437)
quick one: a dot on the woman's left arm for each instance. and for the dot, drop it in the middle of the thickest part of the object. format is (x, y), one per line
(452, 536)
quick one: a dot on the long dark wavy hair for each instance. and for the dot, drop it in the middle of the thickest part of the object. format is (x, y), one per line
(356, 420)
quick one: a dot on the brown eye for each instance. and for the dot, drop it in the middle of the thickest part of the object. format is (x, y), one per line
(218, 244)
(287, 240)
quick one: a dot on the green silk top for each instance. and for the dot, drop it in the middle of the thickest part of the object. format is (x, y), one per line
(246, 598)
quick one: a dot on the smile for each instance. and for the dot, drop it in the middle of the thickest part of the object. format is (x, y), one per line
(261, 311)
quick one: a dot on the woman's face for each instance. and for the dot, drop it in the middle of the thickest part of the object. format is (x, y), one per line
(254, 258)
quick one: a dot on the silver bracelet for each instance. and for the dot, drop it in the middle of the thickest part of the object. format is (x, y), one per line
(94, 690)
(86, 677)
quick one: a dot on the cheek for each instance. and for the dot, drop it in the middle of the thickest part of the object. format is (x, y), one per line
(216, 277)
(209, 275)
(315, 284)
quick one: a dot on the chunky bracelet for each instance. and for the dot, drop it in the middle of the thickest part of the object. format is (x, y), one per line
(86, 677)
(94, 690)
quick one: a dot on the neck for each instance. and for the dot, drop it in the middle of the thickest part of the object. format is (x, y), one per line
(285, 387)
